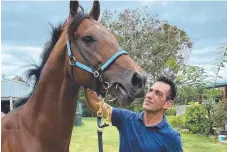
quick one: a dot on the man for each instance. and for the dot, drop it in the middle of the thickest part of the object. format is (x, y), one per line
(149, 130)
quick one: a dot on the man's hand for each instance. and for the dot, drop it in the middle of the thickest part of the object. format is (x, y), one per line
(96, 104)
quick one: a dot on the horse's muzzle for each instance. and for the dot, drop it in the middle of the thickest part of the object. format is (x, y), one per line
(128, 85)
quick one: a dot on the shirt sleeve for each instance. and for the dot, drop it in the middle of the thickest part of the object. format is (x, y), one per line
(176, 144)
(119, 116)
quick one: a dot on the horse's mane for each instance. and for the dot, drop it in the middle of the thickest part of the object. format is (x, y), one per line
(36, 70)
(48, 47)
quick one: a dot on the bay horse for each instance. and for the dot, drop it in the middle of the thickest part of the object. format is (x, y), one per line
(83, 53)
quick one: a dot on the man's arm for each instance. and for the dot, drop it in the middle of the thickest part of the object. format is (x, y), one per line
(94, 103)
(115, 115)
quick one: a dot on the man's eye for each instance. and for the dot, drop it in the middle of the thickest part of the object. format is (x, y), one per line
(159, 94)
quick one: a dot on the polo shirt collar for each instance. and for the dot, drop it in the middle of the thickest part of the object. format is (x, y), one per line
(160, 125)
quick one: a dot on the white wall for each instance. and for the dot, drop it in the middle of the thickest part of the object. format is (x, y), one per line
(12, 88)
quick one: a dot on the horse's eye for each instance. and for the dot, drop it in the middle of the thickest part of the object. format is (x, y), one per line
(88, 39)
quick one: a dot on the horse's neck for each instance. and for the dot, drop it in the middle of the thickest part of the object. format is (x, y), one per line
(52, 107)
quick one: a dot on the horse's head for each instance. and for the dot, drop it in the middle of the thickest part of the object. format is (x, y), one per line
(97, 61)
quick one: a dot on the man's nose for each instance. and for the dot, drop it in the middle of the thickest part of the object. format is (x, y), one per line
(150, 95)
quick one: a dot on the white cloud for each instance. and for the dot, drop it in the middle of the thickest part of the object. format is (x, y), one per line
(221, 73)
(205, 55)
(207, 59)
(26, 49)
(14, 58)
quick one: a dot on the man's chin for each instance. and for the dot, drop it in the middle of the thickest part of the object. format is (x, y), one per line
(147, 109)
(151, 110)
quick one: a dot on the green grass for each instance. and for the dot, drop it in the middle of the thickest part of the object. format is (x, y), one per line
(84, 139)
(199, 143)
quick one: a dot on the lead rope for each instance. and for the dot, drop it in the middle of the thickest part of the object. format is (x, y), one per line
(99, 121)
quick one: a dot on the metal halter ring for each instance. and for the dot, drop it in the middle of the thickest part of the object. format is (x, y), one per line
(96, 74)
(72, 60)
(117, 85)
(107, 86)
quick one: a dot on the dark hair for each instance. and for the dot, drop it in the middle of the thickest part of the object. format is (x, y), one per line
(173, 89)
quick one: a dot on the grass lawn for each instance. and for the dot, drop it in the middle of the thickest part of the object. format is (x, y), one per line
(84, 139)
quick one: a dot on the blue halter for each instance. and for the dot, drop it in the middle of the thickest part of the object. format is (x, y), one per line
(96, 73)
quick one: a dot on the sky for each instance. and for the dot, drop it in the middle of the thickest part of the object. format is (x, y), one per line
(25, 28)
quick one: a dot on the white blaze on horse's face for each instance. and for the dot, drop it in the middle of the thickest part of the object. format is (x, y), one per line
(98, 51)
(97, 26)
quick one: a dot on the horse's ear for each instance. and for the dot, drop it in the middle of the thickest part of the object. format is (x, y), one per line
(74, 5)
(95, 11)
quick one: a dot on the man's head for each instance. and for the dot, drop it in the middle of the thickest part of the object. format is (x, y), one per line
(160, 96)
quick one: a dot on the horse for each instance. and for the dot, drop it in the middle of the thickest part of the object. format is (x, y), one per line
(2, 114)
(81, 53)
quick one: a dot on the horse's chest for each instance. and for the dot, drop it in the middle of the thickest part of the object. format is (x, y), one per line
(18, 141)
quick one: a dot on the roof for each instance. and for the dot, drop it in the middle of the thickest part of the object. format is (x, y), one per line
(14, 88)
(217, 85)
(15, 81)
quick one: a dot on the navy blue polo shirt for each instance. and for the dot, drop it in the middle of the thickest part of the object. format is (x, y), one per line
(136, 137)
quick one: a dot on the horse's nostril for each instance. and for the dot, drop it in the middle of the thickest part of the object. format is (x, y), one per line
(137, 81)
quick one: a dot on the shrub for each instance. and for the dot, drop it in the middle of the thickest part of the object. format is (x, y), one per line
(137, 108)
(171, 111)
(177, 122)
(196, 119)
(218, 114)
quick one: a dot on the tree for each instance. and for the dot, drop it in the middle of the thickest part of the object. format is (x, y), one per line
(211, 107)
(220, 61)
(191, 83)
(193, 80)
(18, 78)
(160, 48)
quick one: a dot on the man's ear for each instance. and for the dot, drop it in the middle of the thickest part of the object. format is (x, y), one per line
(168, 104)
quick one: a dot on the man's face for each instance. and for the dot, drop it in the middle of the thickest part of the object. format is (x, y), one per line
(156, 98)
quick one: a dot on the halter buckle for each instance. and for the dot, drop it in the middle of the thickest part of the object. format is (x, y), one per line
(106, 85)
(96, 74)
(72, 60)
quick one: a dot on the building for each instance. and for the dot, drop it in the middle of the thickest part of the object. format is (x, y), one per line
(12, 90)
(222, 85)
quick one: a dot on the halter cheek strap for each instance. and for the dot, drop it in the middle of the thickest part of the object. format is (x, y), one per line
(73, 61)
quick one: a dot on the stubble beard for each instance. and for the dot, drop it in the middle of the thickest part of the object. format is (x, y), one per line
(152, 110)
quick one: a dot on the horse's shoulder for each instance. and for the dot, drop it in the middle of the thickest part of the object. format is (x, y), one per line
(11, 121)
(10, 141)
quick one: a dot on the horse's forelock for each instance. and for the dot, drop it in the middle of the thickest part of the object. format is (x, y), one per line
(76, 21)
